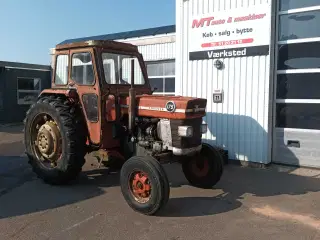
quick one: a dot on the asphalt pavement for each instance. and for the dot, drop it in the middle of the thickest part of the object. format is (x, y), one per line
(274, 203)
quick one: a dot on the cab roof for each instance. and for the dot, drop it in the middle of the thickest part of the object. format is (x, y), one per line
(108, 44)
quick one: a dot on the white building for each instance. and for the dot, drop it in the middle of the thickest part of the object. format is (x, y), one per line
(271, 68)
(255, 61)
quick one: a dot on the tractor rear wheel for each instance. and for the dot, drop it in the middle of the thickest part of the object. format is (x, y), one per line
(144, 184)
(205, 169)
(55, 139)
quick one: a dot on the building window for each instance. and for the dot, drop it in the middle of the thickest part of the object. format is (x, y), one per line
(162, 76)
(304, 55)
(298, 72)
(28, 90)
(299, 25)
(290, 86)
(298, 115)
(286, 5)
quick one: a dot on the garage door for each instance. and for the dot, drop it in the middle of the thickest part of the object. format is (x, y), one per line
(297, 96)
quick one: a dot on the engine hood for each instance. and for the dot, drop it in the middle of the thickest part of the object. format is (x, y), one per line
(172, 107)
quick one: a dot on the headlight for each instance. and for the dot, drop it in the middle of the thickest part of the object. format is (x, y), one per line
(204, 128)
(185, 131)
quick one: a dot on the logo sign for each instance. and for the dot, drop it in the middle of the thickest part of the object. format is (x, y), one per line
(170, 106)
(240, 32)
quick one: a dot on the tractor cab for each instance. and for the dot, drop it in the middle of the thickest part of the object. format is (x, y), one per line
(107, 63)
(100, 74)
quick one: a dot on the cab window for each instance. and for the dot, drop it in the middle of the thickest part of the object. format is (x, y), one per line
(82, 70)
(117, 69)
(61, 76)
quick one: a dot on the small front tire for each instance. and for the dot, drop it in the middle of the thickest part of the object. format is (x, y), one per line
(144, 184)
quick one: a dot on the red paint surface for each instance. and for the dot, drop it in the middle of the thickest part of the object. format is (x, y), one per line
(227, 43)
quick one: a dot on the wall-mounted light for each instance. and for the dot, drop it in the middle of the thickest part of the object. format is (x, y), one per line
(219, 64)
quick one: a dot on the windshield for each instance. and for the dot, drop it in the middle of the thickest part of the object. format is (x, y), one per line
(117, 69)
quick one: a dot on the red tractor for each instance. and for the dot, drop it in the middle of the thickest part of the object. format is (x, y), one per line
(101, 103)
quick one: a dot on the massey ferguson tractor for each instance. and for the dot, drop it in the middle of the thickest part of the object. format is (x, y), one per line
(101, 103)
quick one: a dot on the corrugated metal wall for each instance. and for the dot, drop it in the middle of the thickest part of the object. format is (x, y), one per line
(240, 123)
(158, 51)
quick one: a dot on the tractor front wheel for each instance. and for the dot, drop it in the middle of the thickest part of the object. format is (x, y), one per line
(144, 185)
(55, 139)
(205, 169)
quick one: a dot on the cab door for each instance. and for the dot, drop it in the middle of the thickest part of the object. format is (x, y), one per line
(83, 75)
(110, 103)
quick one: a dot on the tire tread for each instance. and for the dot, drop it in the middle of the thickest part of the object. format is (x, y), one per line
(70, 118)
(161, 184)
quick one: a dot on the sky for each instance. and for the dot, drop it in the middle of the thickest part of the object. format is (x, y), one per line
(29, 28)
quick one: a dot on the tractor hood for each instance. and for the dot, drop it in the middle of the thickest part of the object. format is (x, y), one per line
(172, 107)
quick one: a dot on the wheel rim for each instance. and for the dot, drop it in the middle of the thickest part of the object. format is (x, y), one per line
(140, 186)
(46, 140)
(200, 166)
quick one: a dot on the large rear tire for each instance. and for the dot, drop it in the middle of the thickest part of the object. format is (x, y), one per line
(205, 169)
(55, 139)
(144, 185)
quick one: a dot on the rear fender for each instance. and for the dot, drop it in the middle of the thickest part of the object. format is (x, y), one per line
(70, 93)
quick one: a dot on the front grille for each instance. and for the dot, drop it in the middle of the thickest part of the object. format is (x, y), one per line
(198, 106)
(186, 142)
(200, 102)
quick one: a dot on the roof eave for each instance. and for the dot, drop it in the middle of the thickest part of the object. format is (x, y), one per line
(127, 35)
(98, 43)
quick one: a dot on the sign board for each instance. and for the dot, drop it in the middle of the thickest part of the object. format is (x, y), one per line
(217, 96)
(241, 32)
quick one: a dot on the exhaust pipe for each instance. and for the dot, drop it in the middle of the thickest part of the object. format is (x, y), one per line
(132, 102)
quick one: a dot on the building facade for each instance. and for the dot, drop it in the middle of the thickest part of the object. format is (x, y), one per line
(262, 58)
(208, 35)
(257, 64)
(20, 85)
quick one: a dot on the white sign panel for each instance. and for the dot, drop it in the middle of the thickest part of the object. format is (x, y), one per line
(238, 33)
